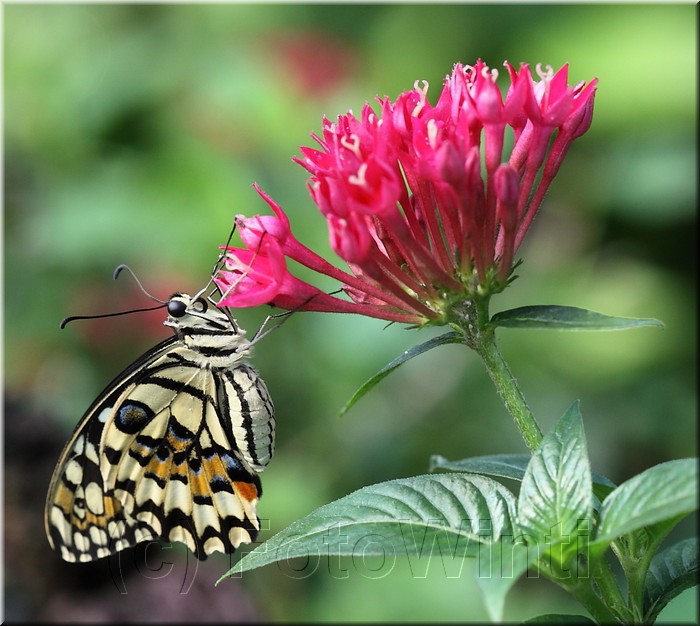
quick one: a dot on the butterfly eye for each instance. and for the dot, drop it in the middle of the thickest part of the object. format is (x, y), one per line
(200, 305)
(177, 308)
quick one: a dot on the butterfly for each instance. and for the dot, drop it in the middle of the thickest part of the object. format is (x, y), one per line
(171, 449)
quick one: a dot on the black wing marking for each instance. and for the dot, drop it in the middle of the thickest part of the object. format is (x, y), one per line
(154, 457)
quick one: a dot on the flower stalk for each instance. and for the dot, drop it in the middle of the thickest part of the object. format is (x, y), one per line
(508, 390)
(479, 335)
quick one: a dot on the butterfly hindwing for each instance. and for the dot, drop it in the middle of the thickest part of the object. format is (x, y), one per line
(244, 399)
(180, 472)
(169, 450)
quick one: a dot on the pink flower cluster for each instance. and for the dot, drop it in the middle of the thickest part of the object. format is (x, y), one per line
(424, 203)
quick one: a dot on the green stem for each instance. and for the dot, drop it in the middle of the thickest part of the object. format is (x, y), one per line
(612, 604)
(508, 389)
(599, 594)
(473, 323)
(600, 612)
(610, 590)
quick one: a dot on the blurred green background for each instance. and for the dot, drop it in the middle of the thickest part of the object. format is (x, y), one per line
(132, 135)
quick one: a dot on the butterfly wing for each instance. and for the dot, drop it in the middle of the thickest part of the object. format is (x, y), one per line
(247, 409)
(155, 457)
(174, 464)
(79, 530)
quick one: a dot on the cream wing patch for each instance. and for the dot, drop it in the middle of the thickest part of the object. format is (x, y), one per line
(164, 454)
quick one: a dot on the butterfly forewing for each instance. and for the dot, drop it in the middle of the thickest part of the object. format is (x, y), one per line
(169, 450)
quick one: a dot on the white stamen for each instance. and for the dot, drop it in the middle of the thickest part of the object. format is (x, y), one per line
(352, 143)
(360, 179)
(423, 92)
(432, 133)
(545, 74)
(490, 74)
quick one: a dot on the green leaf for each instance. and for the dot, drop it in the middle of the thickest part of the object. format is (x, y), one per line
(498, 568)
(507, 466)
(443, 516)
(449, 337)
(660, 493)
(556, 494)
(501, 465)
(554, 317)
(559, 618)
(672, 571)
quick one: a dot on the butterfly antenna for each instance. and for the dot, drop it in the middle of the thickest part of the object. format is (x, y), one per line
(94, 317)
(117, 271)
(123, 267)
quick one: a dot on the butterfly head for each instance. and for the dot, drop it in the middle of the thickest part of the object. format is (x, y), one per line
(205, 328)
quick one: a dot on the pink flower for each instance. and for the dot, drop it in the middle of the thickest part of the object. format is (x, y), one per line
(253, 277)
(422, 202)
